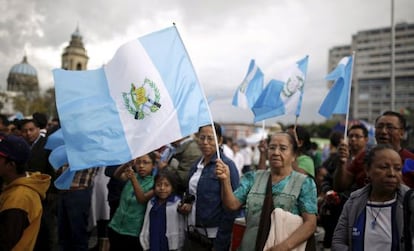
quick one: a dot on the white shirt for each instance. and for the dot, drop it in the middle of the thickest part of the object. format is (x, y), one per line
(378, 225)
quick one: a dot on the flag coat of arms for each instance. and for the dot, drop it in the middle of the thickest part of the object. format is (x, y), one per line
(337, 99)
(284, 95)
(147, 96)
(249, 90)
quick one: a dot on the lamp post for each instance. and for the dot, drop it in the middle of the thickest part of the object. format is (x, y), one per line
(392, 58)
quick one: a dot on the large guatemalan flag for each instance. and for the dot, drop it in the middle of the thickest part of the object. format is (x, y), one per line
(284, 95)
(148, 95)
(249, 90)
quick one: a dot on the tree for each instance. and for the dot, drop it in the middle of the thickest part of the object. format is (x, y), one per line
(45, 103)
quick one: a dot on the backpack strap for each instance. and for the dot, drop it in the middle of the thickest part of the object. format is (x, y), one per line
(408, 204)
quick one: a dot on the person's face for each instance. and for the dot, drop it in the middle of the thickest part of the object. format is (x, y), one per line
(206, 141)
(385, 171)
(143, 165)
(388, 131)
(356, 140)
(30, 132)
(280, 151)
(163, 188)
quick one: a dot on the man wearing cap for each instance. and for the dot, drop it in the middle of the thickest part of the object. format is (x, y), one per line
(20, 201)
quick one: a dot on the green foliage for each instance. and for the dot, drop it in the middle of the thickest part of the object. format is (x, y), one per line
(39, 103)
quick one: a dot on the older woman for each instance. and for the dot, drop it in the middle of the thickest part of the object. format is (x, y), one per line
(207, 212)
(281, 155)
(372, 218)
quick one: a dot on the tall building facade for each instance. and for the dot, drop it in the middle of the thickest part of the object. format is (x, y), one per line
(371, 85)
(74, 56)
(335, 55)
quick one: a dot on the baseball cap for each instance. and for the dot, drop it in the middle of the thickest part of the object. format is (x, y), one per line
(14, 148)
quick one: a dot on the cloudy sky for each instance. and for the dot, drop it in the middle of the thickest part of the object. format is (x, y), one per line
(221, 37)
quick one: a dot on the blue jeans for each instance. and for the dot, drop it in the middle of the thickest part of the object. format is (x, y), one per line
(73, 214)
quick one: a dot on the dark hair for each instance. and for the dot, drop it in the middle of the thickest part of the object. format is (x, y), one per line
(304, 136)
(335, 138)
(291, 138)
(26, 121)
(4, 120)
(401, 118)
(170, 176)
(153, 157)
(369, 158)
(217, 128)
(359, 126)
(40, 119)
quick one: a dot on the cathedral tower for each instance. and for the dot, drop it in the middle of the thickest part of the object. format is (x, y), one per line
(74, 56)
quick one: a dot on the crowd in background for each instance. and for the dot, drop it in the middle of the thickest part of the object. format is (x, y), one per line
(197, 185)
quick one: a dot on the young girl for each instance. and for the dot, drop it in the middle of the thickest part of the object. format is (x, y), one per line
(163, 227)
(126, 224)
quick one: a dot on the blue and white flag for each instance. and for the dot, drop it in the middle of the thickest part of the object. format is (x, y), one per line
(284, 95)
(337, 99)
(147, 96)
(250, 89)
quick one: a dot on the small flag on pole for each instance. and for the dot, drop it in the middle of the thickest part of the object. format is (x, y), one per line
(283, 96)
(251, 87)
(337, 99)
(148, 95)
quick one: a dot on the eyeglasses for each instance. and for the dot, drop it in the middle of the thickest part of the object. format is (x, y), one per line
(355, 136)
(387, 127)
(209, 138)
(273, 148)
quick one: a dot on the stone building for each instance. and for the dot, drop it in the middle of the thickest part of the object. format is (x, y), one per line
(74, 56)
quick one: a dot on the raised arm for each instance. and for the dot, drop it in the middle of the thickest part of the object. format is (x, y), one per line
(262, 159)
(227, 196)
(139, 193)
(343, 179)
(120, 172)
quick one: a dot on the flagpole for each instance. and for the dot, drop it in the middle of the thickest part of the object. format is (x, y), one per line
(349, 96)
(204, 97)
(392, 58)
(294, 130)
(263, 129)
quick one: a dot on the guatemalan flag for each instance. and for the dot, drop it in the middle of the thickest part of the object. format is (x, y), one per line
(284, 95)
(148, 95)
(337, 99)
(249, 90)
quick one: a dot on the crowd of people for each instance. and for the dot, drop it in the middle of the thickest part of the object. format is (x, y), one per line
(187, 194)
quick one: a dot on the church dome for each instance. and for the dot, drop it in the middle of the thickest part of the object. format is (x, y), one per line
(23, 77)
(23, 68)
